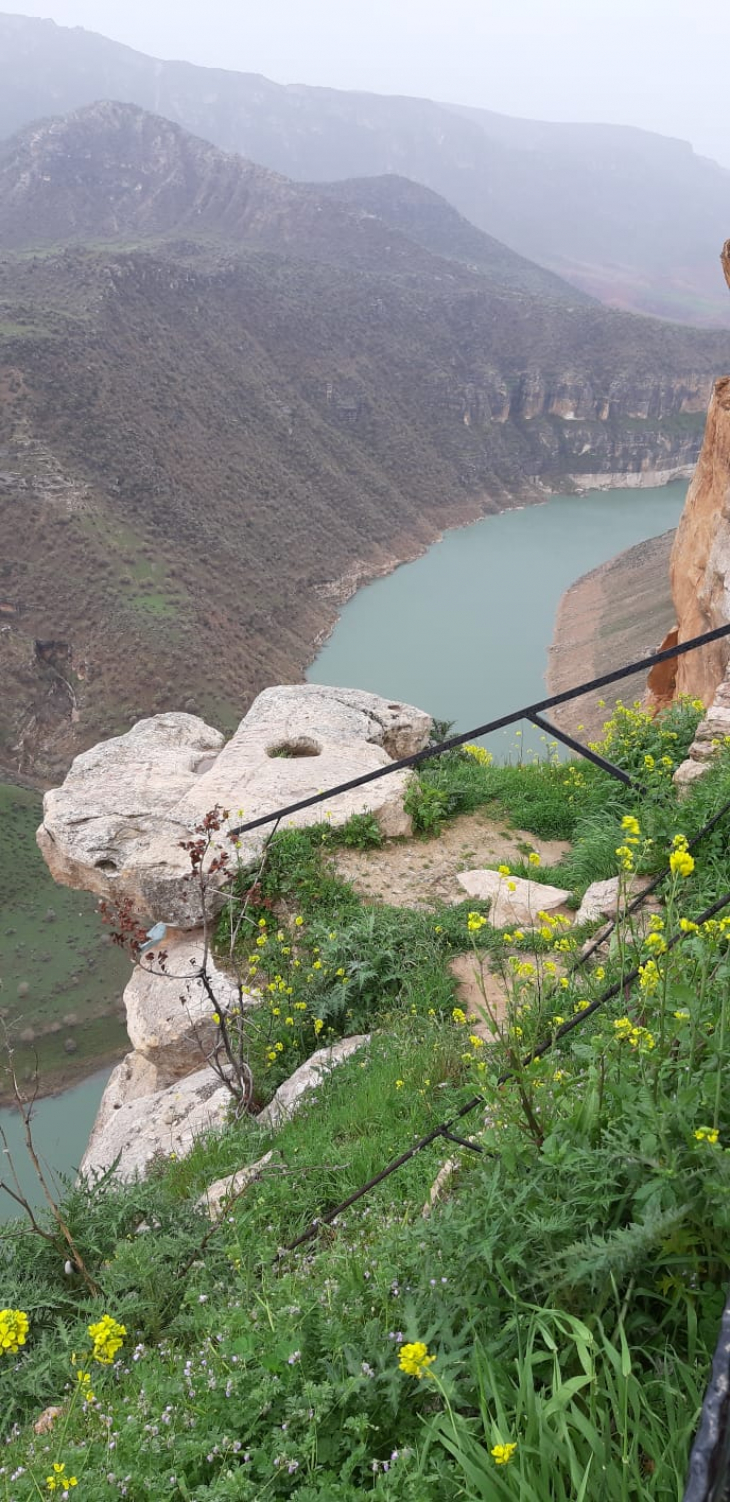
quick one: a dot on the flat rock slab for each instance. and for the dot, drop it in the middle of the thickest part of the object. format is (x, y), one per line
(116, 824)
(513, 899)
(289, 1095)
(483, 992)
(218, 1195)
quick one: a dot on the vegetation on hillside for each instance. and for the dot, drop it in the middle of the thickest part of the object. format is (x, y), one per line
(184, 423)
(547, 1330)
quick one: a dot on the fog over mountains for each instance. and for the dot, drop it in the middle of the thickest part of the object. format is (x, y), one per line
(633, 218)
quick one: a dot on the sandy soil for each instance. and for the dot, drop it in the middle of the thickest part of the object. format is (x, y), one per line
(422, 873)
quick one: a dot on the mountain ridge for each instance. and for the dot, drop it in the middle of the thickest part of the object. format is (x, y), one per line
(592, 210)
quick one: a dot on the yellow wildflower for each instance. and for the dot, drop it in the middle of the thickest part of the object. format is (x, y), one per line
(681, 863)
(534, 858)
(706, 1134)
(59, 1481)
(107, 1336)
(502, 1454)
(414, 1360)
(14, 1326)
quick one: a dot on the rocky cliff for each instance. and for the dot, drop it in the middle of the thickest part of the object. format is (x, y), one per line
(700, 564)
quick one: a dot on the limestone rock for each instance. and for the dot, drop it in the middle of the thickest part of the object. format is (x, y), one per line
(601, 899)
(152, 1121)
(169, 1014)
(712, 732)
(700, 567)
(307, 1077)
(132, 1079)
(519, 906)
(217, 1195)
(116, 824)
(137, 1131)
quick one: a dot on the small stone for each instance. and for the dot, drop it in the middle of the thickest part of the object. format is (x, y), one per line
(513, 899)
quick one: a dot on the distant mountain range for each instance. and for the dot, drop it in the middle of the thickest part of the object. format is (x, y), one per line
(225, 397)
(633, 218)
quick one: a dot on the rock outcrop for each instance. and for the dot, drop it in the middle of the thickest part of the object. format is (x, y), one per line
(170, 1015)
(700, 564)
(130, 1134)
(116, 824)
(115, 827)
(712, 732)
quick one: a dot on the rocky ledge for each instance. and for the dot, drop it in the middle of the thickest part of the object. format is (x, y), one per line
(116, 825)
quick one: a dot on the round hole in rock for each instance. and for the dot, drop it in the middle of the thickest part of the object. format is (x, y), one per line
(299, 745)
(106, 865)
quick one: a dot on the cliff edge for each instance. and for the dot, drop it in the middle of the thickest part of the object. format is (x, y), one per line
(700, 561)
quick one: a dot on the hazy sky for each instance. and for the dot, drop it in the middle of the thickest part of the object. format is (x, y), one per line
(661, 64)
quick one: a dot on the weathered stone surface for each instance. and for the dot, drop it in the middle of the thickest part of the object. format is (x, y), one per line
(307, 1077)
(115, 825)
(169, 1014)
(154, 1125)
(219, 1194)
(712, 732)
(700, 568)
(601, 898)
(133, 1079)
(139, 1121)
(513, 899)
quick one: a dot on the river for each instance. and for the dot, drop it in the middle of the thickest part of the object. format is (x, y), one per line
(463, 632)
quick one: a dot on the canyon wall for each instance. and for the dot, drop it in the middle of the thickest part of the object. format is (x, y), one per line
(700, 563)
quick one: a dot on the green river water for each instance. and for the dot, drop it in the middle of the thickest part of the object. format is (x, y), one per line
(462, 631)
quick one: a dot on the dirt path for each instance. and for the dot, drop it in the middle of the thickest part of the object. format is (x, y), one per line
(422, 873)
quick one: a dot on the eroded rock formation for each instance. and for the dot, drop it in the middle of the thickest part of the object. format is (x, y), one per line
(116, 824)
(700, 564)
(115, 827)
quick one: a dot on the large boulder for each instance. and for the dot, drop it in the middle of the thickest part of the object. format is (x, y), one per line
(169, 1012)
(116, 825)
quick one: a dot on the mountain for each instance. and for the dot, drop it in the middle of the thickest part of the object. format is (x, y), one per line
(226, 397)
(111, 171)
(628, 216)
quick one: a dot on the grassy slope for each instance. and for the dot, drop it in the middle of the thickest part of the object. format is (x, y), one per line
(578, 1279)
